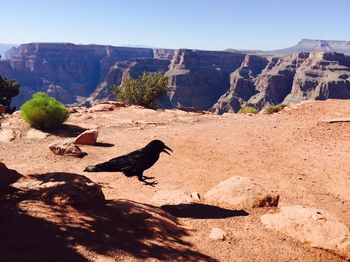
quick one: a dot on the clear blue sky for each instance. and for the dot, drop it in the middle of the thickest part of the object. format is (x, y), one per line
(200, 24)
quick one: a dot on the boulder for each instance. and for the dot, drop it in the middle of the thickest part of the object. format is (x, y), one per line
(67, 148)
(315, 227)
(60, 188)
(7, 177)
(174, 197)
(240, 193)
(89, 137)
(217, 234)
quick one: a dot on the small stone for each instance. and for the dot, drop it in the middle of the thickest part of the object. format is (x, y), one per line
(89, 137)
(217, 234)
(196, 197)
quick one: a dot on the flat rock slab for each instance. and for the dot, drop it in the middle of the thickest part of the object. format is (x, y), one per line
(314, 226)
(60, 188)
(240, 193)
(174, 197)
(67, 148)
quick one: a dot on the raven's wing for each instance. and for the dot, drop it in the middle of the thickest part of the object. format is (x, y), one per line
(137, 162)
(130, 164)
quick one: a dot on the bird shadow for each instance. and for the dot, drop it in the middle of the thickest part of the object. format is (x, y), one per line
(115, 229)
(202, 211)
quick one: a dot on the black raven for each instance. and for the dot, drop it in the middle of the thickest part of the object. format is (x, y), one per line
(134, 163)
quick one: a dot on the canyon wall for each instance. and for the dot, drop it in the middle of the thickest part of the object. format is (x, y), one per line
(206, 80)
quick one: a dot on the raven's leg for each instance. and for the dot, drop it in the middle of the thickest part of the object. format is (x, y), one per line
(143, 179)
(140, 177)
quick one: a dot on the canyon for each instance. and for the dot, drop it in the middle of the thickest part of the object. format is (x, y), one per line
(217, 81)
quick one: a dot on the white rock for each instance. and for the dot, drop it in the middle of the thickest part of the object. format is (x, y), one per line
(217, 234)
(240, 193)
(7, 135)
(36, 134)
(196, 197)
(314, 226)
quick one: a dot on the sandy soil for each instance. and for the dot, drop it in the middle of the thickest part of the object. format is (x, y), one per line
(295, 153)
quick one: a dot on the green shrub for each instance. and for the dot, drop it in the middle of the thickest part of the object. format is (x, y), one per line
(274, 109)
(248, 109)
(144, 91)
(44, 112)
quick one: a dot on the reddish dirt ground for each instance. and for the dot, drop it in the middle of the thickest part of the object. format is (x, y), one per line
(296, 153)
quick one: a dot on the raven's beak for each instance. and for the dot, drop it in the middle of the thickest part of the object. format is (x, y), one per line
(168, 148)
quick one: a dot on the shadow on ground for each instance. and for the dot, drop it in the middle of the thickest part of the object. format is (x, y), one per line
(33, 230)
(68, 130)
(101, 144)
(201, 211)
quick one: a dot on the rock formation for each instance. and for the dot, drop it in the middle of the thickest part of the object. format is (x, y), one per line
(293, 78)
(65, 71)
(205, 80)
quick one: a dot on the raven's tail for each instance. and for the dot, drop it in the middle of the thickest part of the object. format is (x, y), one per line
(90, 169)
(104, 167)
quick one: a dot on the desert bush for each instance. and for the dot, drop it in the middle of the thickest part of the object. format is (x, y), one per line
(274, 109)
(144, 91)
(248, 109)
(44, 112)
(8, 89)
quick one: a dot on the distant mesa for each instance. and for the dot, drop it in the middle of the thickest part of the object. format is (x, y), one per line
(309, 45)
(219, 81)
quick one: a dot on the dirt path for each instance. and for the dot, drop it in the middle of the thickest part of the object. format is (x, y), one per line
(296, 153)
